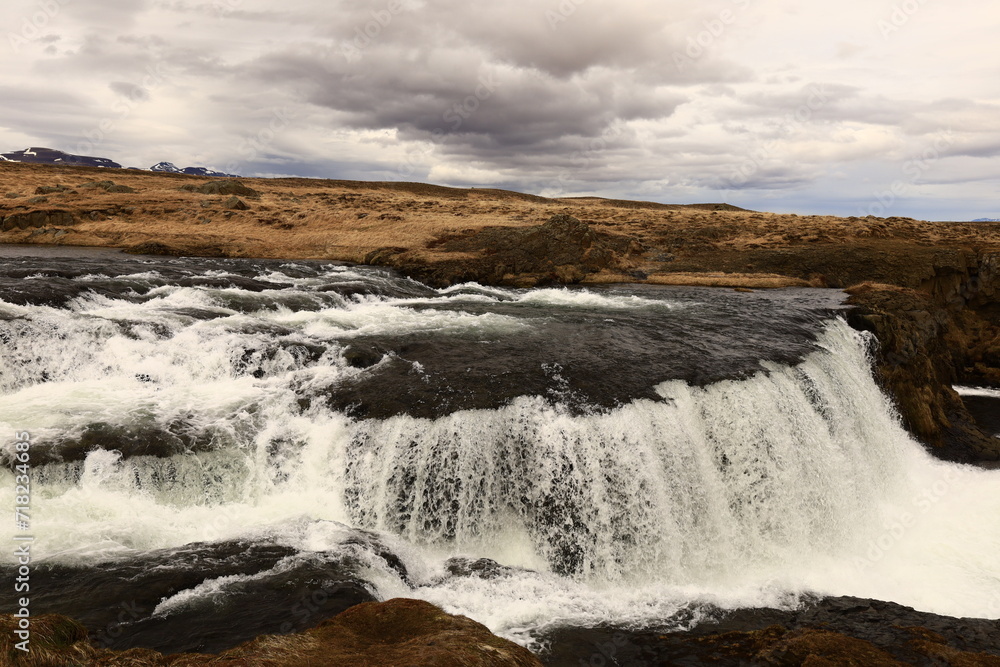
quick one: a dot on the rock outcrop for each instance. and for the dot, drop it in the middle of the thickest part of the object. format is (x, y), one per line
(38, 218)
(835, 631)
(400, 632)
(229, 187)
(944, 332)
(563, 250)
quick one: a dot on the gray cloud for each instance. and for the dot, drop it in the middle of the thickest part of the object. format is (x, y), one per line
(666, 100)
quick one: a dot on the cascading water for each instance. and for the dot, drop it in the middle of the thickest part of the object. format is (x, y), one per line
(625, 454)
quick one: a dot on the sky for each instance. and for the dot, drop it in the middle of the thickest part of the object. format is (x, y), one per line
(860, 107)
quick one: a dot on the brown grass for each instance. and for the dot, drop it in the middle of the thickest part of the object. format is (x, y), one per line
(346, 220)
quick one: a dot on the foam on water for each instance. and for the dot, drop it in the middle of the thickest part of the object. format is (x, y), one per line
(564, 298)
(978, 391)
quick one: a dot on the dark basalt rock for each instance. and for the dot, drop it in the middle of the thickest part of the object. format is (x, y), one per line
(131, 440)
(924, 348)
(481, 568)
(834, 631)
(253, 588)
(399, 632)
(359, 355)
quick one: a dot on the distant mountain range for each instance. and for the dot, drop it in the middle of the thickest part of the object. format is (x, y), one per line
(170, 168)
(36, 155)
(51, 156)
(987, 220)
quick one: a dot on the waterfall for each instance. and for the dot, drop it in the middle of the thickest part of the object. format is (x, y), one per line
(195, 415)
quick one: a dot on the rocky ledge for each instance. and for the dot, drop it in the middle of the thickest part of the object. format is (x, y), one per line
(835, 631)
(400, 632)
(412, 633)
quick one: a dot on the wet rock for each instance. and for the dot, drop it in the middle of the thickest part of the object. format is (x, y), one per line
(144, 439)
(835, 631)
(985, 410)
(362, 356)
(226, 592)
(154, 248)
(398, 632)
(482, 568)
(924, 348)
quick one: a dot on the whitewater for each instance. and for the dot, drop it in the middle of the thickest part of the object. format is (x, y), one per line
(624, 455)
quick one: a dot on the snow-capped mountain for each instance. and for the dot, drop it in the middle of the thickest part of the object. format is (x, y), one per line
(171, 168)
(36, 155)
(168, 167)
(987, 220)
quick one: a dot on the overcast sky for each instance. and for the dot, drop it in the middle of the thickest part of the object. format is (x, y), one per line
(888, 107)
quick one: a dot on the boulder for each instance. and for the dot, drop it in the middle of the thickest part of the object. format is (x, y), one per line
(234, 203)
(41, 218)
(107, 186)
(399, 632)
(228, 187)
(832, 631)
(50, 190)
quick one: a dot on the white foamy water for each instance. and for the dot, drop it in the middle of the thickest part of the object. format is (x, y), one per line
(977, 391)
(798, 480)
